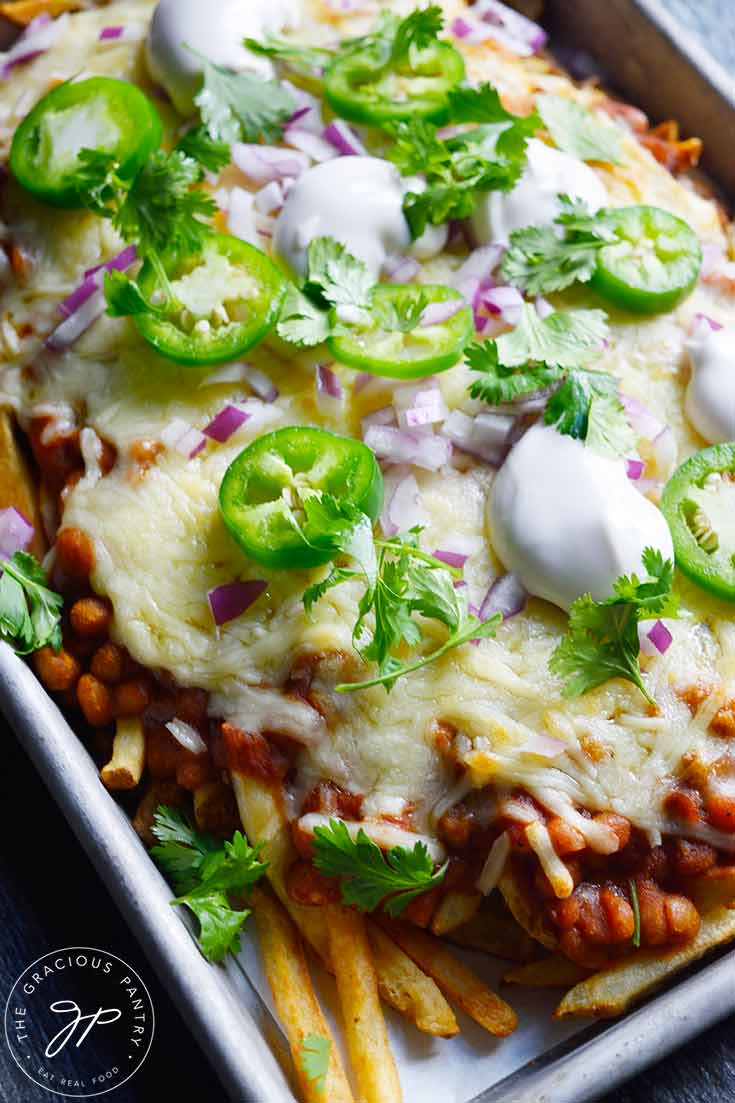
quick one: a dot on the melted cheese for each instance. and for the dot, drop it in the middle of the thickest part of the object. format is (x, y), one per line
(161, 545)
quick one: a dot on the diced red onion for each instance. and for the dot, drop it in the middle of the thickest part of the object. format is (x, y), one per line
(451, 558)
(16, 532)
(437, 313)
(634, 469)
(344, 140)
(309, 111)
(35, 40)
(329, 393)
(111, 32)
(402, 509)
(705, 320)
(401, 446)
(93, 278)
(712, 254)
(397, 269)
(461, 29)
(183, 438)
(479, 264)
(241, 216)
(484, 436)
(269, 198)
(120, 262)
(264, 163)
(417, 407)
(260, 383)
(521, 34)
(506, 596)
(188, 737)
(654, 639)
(642, 421)
(227, 422)
(351, 315)
(543, 307)
(386, 415)
(132, 33)
(86, 302)
(232, 599)
(504, 301)
(313, 145)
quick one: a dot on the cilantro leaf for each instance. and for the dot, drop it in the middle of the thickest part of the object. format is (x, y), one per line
(370, 877)
(602, 638)
(578, 131)
(335, 276)
(336, 576)
(124, 296)
(539, 259)
(212, 153)
(302, 321)
(489, 157)
(240, 107)
(314, 1059)
(97, 181)
(587, 406)
(206, 873)
(499, 384)
(418, 30)
(30, 613)
(307, 61)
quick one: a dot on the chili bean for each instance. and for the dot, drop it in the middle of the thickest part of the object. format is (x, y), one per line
(682, 917)
(619, 824)
(144, 454)
(161, 751)
(74, 559)
(91, 616)
(720, 809)
(108, 663)
(565, 838)
(618, 913)
(58, 670)
(131, 698)
(684, 804)
(651, 901)
(95, 701)
(332, 800)
(190, 705)
(253, 754)
(193, 771)
(690, 859)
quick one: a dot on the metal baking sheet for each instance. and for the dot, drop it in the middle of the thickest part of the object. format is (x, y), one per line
(652, 61)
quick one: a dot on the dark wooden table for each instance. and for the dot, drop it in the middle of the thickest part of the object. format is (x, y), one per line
(51, 897)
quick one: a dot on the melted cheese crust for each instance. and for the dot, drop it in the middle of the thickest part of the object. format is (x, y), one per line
(161, 544)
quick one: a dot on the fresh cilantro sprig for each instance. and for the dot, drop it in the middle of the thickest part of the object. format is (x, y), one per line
(602, 639)
(405, 581)
(306, 61)
(490, 156)
(369, 876)
(587, 406)
(578, 131)
(337, 286)
(539, 259)
(314, 1055)
(207, 874)
(213, 154)
(241, 107)
(30, 613)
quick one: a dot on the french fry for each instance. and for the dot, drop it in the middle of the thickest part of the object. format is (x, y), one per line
(158, 792)
(456, 981)
(293, 994)
(17, 486)
(614, 990)
(23, 11)
(407, 989)
(455, 908)
(364, 1025)
(511, 888)
(215, 810)
(125, 768)
(493, 930)
(555, 971)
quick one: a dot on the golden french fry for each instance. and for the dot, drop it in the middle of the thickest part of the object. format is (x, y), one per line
(23, 11)
(17, 486)
(158, 792)
(556, 971)
(125, 768)
(456, 981)
(362, 1015)
(455, 908)
(493, 930)
(293, 994)
(712, 889)
(614, 990)
(512, 891)
(407, 989)
(215, 810)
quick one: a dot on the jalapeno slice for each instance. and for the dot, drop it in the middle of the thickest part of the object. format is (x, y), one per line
(264, 488)
(652, 266)
(382, 349)
(362, 87)
(699, 504)
(225, 300)
(103, 114)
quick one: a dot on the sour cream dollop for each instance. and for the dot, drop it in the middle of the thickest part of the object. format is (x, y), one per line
(359, 202)
(216, 31)
(710, 398)
(568, 521)
(534, 201)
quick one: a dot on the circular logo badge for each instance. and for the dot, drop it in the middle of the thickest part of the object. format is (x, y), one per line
(79, 1022)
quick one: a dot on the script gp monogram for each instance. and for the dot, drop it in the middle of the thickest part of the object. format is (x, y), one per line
(103, 1016)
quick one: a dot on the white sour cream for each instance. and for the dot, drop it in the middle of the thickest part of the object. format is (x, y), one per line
(710, 398)
(215, 30)
(568, 521)
(534, 201)
(356, 200)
